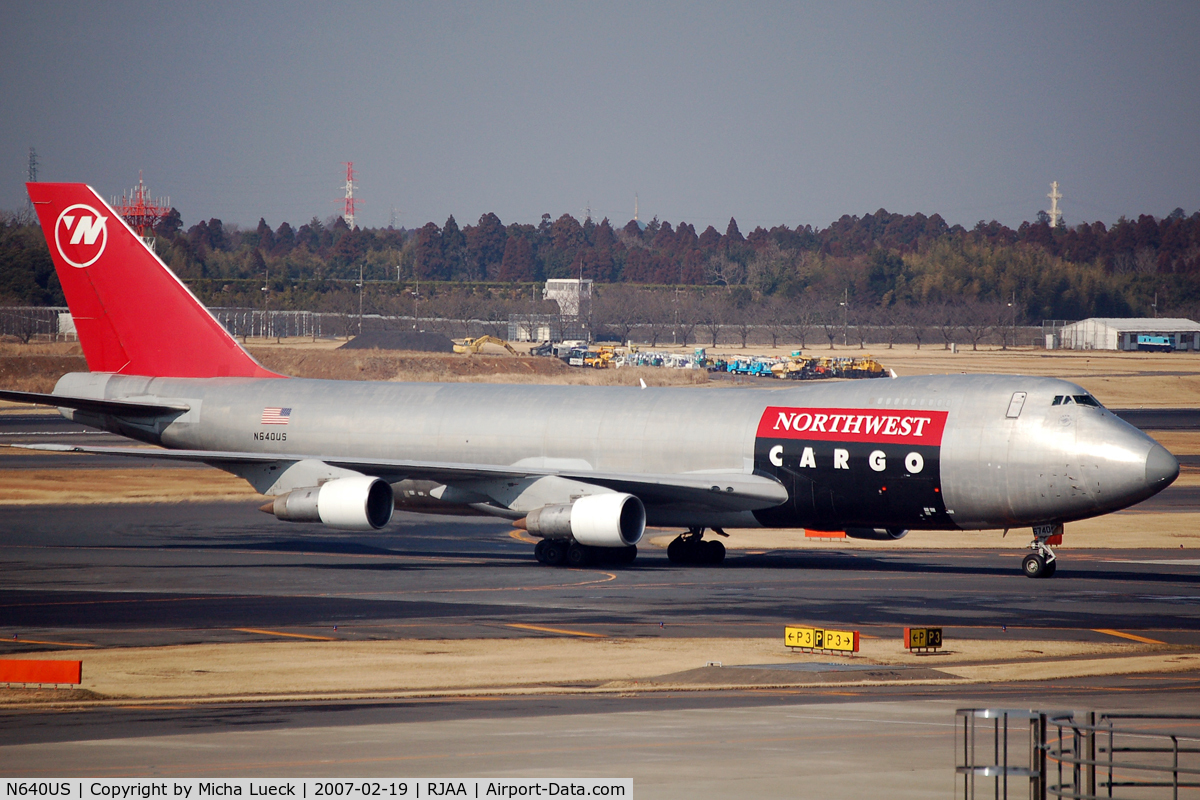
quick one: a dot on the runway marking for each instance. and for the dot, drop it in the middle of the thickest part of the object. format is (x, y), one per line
(591, 747)
(522, 536)
(37, 641)
(608, 578)
(138, 600)
(289, 635)
(555, 630)
(53, 433)
(1132, 636)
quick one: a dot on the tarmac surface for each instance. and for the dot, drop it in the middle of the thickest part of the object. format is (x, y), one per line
(162, 574)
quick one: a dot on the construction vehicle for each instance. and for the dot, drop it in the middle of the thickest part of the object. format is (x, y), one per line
(865, 367)
(797, 367)
(472, 346)
(595, 359)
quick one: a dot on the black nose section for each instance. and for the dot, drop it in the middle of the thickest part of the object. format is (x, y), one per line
(1162, 468)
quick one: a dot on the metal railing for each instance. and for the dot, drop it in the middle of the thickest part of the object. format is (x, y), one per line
(1074, 755)
(1097, 754)
(981, 768)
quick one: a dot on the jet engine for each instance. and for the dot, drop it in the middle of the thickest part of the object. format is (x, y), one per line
(877, 534)
(360, 503)
(600, 520)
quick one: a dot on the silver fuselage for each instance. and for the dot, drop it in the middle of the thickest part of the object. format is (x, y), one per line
(991, 469)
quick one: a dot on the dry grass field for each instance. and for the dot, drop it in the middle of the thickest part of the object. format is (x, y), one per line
(332, 668)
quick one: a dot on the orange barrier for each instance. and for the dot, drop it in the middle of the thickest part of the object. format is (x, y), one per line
(13, 671)
(811, 534)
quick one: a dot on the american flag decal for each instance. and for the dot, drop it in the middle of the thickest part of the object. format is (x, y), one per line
(275, 416)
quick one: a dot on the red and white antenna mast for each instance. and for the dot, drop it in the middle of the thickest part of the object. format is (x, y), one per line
(350, 205)
(140, 211)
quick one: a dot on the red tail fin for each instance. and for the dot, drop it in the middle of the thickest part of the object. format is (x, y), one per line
(132, 314)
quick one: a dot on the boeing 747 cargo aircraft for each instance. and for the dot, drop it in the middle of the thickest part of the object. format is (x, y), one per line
(583, 469)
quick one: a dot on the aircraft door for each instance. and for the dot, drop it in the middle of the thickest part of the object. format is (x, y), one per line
(1016, 404)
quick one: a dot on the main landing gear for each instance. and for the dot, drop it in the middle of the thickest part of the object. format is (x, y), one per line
(690, 548)
(570, 553)
(1042, 562)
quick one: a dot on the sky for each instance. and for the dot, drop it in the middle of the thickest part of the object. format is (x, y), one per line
(772, 113)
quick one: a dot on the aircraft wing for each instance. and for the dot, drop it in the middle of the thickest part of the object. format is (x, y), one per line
(117, 408)
(731, 491)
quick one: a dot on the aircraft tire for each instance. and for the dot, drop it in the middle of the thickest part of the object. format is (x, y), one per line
(555, 552)
(714, 553)
(578, 555)
(1034, 566)
(539, 551)
(1051, 568)
(677, 551)
(629, 554)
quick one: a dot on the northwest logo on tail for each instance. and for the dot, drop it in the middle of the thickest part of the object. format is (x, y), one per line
(80, 235)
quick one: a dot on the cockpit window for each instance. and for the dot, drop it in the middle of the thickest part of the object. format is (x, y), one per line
(1076, 399)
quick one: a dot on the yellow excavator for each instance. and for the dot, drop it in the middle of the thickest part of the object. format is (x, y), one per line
(473, 346)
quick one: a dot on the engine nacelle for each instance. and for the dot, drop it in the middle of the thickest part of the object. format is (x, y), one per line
(353, 504)
(600, 520)
(877, 534)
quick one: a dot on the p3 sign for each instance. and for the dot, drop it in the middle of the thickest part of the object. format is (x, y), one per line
(80, 234)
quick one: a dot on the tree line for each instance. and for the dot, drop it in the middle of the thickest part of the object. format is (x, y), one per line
(878, 261)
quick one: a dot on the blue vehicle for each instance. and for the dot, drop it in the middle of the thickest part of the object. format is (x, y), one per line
(1150, 342)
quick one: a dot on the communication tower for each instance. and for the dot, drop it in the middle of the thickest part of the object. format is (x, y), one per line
(33, 165)
(350, 204)
(140, 211)
(1055, 214)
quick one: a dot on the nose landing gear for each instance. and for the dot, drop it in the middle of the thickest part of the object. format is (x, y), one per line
(690, 548)
(1042, 562)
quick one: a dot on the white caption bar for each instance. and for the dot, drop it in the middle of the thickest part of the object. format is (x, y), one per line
(306, 788)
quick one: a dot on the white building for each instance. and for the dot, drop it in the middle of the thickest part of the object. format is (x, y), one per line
(574, 296)
(1130, 334)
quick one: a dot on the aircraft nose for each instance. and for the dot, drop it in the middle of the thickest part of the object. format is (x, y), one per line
(1162, 468)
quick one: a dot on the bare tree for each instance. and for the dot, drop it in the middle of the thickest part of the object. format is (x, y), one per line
(710, 313)
(1145, 261)
(888, 324)
(688, 317)
(724, 271)
(777, 315)
(978, 320)
(915, 318)
(803, 318)
(830, 318)
(654, 314)
(494, 316)
(863, 320)
(617, 307)
(1006, 324)
(947, 318)
(743, 319)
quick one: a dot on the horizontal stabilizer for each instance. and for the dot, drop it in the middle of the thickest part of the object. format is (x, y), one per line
(117, 408)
